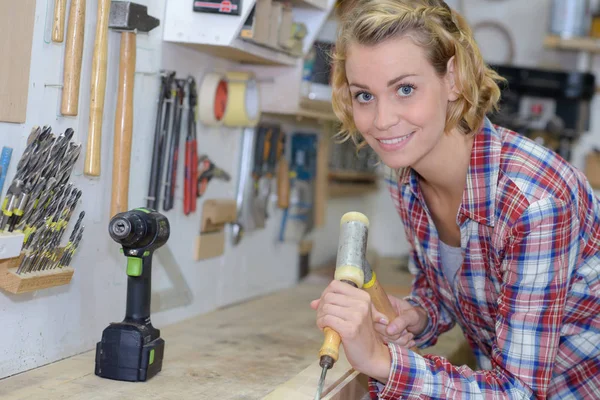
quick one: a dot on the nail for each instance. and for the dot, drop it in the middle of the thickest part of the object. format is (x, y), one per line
(384, 321)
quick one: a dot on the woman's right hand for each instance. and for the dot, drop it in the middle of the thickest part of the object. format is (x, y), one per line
(411, 321)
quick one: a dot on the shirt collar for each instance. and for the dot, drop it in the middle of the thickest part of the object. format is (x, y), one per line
(482, 177)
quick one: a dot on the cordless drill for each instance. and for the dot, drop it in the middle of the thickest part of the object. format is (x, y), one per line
(132, 350)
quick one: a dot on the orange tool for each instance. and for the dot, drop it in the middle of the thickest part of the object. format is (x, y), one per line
(191, 153)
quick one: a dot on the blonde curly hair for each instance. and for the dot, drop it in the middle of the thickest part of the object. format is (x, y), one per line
(440, 31)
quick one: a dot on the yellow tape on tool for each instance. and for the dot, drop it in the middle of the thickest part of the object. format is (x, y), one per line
(243, 100)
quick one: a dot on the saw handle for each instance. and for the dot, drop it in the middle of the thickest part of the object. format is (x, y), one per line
(73, 59)
(58, 29)
(381, 301)
(123, 125)
(97, 91)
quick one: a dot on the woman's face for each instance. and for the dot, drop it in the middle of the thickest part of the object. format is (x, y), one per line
(398, 101)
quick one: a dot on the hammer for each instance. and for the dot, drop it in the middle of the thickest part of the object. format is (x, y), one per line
(73, 58)
(97, 91)
(129, 18)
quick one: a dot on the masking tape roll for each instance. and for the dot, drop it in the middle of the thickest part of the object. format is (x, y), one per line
(243, 100)
(213, 96)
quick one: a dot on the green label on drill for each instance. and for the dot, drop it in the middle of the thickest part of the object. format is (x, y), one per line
(142, 209)
(134, 266)
(151, 357)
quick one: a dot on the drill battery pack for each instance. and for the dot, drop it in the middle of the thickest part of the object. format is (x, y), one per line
(129, 352)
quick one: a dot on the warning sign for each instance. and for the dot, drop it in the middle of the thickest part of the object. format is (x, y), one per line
(228, 7)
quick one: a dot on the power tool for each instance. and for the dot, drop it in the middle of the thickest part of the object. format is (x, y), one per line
(132, 350)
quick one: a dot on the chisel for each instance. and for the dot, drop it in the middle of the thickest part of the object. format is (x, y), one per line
(352, 248)
(353, 268)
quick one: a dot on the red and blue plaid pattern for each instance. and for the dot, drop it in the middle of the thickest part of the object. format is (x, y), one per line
(528, 293)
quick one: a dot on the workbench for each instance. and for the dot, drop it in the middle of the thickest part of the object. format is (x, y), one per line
(240, 352)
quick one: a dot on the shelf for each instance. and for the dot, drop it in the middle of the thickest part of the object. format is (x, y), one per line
(15, 283)
(339, 190)
(352, 176)
(244, 51)
(219, 35)
(318, 4)
(587, 44)
(302, 114)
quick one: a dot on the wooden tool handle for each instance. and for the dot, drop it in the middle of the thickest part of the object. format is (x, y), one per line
(331, 344)
(123, 125)
(97, 92)
(58, 29)
(73, 58)
(382, 303)
(283, 184)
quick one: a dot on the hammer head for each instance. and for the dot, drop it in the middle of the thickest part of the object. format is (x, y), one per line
(128, 16)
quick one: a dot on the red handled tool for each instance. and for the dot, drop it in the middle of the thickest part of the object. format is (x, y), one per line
(191, 153)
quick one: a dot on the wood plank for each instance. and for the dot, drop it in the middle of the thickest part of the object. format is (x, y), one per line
(588, 44)
(354, 387)
(341, 383)
(342, 175)
(339, 190)
(17, 21)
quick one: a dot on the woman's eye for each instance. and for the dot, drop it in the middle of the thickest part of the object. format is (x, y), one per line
(364, 97)
(405, 90)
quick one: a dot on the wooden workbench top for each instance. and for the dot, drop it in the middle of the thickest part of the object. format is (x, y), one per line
(241, 352)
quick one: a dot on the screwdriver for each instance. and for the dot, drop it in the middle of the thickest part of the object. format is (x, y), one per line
(353, 268)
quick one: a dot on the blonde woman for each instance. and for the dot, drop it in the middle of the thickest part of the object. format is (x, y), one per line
(504, 233)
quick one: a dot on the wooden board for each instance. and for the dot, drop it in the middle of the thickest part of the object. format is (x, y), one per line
(17, 21)
(15, 283)
(341, 383)
(32, 281)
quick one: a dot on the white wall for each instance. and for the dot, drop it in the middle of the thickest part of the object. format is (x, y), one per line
(41, 327)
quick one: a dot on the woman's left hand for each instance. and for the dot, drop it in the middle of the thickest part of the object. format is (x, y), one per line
(347, 310)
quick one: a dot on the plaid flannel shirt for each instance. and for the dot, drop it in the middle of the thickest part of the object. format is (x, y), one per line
(527, 295)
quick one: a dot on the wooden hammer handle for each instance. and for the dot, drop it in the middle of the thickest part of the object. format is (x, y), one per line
(97, 92)
(382, 303)
(123, 125)
(58, 29)
(73, 58)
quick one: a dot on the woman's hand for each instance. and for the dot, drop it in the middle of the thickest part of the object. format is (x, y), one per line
(410, 322)
(347, 310)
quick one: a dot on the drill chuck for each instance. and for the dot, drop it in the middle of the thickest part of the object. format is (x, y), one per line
(139, 228)
(120, 228)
